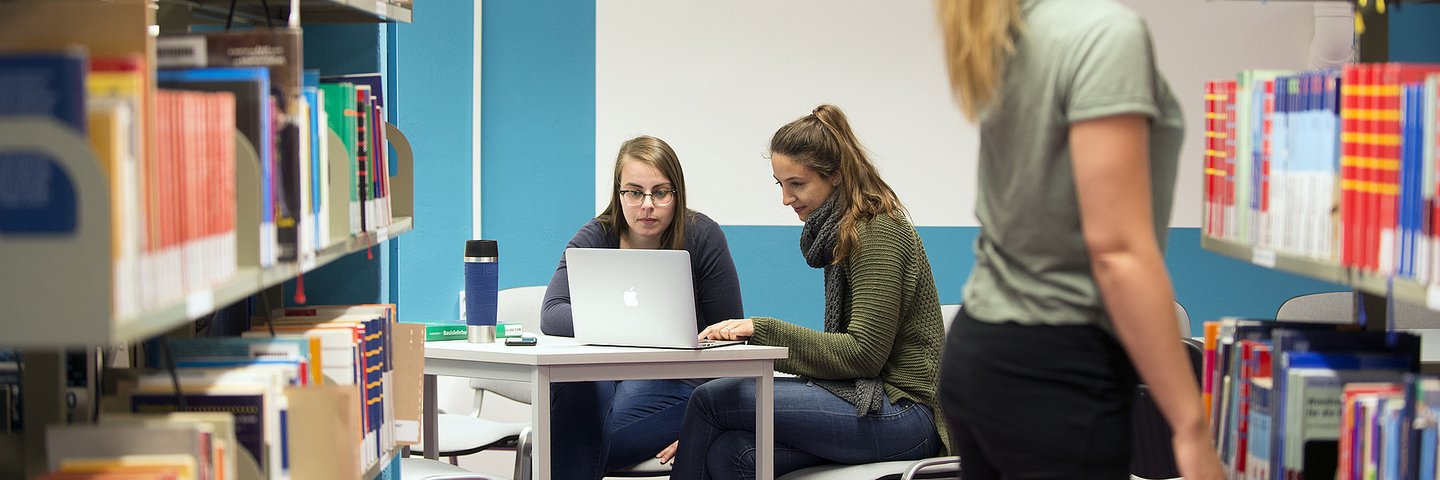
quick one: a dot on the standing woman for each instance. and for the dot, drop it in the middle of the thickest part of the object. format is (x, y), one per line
(1069, 298)
(603, 426)
(866, 385)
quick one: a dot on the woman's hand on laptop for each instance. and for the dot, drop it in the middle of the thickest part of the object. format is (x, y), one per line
(736, 329)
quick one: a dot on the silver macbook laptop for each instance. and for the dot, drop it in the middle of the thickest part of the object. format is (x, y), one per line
(634, 298)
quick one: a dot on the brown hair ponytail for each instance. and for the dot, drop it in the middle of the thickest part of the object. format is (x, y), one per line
(824, 142)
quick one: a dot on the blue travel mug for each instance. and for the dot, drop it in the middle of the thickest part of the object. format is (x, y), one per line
(482, 282)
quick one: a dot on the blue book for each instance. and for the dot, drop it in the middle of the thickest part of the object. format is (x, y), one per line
(40, 199)
(311, 91)
(1427, 415)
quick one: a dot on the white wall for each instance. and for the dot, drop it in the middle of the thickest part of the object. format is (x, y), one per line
(715, 79)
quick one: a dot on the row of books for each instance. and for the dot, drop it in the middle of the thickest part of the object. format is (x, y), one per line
(169, 156)
(1337, 165)
(1290, 401)
(278, 396)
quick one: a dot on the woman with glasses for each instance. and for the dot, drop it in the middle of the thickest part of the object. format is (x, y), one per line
(865, 390)
(604, 426)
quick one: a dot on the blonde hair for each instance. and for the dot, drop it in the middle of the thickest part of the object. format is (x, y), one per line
(824, 142)
(658, 154)
(979, 38)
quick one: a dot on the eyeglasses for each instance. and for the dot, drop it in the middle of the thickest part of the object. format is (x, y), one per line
(636, 198)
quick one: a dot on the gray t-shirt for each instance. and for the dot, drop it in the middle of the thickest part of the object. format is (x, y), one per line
(1078, 60)
(717, 285)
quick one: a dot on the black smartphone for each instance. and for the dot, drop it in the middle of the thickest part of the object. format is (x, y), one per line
(521, 341)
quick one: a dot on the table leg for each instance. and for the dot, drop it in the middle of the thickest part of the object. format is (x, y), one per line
(765, 426)
(540, 422)
(430, 419)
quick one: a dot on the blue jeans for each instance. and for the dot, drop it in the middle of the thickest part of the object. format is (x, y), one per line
(812, 427)
(604, 426)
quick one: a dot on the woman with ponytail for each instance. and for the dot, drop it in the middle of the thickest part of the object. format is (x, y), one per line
(865, 386)
(1069, 300)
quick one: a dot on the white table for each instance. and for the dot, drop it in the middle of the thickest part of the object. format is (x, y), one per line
(558, 359)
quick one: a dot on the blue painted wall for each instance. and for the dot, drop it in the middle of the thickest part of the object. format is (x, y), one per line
(432, 76)
(1416, 24)
(537, 131)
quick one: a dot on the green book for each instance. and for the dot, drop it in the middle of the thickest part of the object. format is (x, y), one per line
(435, 332)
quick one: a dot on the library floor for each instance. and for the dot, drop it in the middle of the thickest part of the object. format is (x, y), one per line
(502, 463)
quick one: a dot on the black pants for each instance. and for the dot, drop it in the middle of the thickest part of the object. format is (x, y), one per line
(1037, 402)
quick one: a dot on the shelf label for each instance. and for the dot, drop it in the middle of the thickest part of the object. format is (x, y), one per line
(1263, 257)
(199, 303)
(1432, 296)
(382, 234)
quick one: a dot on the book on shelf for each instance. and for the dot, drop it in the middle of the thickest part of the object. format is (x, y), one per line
(219, 426)
(253, 393)
(193, 240)
(1315, 382)
(176, 466)
(370, 89)
(304, 351)
(280, 51)
(1257, 454)
(338, 101)
(356, 346)
(115, 92)
(78, 448)
(312, 190)
(252, 117)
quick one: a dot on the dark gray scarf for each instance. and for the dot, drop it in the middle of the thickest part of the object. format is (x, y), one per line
(817, 243)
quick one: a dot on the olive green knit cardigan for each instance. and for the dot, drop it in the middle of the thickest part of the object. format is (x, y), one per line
(894, 332)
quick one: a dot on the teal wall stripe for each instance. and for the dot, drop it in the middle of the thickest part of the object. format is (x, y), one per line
(1415, 23)
(775, 281)
(538, 131)
(1210, 285)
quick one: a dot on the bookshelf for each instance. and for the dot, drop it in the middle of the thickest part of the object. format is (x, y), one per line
(75, 271)
(57, 290)
(1386, 32)
(1373, 45)
(1401, 289)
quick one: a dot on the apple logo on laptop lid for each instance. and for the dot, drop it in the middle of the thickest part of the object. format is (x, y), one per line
(632, 298)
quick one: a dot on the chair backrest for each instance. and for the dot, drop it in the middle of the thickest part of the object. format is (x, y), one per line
(1339, 307)
(454, 395)
(947, 314)
(1184, 318)
(522, 305)
(1327, 307)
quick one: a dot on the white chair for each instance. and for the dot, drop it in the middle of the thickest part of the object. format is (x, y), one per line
(459, 400)
(416, 468)
(1339, 307)
(1184, 318)
(523, 305)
